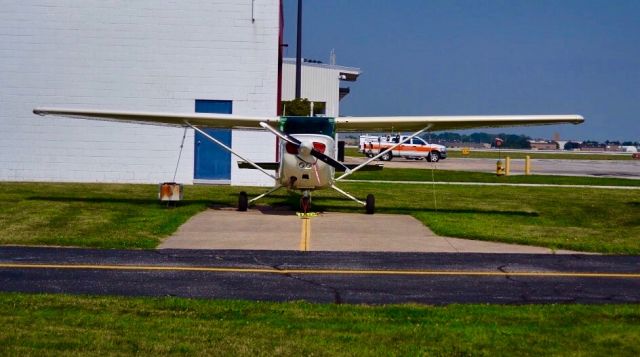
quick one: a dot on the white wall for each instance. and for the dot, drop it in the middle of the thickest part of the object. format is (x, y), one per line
(129, 55)
(259, 146)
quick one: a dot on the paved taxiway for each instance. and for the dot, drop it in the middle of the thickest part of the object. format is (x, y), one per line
(269, 229)
(333, 277)
(598, 168)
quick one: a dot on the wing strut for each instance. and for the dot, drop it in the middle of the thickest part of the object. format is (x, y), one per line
(276, 188)
(222, 145)
(347, 195)
(384, 152)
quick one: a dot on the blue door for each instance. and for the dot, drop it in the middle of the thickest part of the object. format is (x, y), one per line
(211, 161)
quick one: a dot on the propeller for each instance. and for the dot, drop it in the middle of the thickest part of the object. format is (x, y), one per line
(306, 148)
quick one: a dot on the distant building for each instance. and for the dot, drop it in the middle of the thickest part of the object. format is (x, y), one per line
(459, 144)
(543, 145)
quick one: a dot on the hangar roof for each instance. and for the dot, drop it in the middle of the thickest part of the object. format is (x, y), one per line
(346, 73)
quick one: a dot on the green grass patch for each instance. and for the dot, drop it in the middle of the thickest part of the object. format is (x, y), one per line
(81, 325)
(129, 216)
(466, 176)
(351, 151)
(95, 215)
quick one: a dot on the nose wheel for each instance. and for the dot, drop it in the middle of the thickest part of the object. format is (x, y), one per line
(305, 202)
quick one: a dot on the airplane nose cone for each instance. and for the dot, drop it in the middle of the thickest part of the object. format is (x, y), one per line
(305, 148)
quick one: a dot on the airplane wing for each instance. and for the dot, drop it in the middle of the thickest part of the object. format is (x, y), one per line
(156, 118)
(343, 124)
(415, 123)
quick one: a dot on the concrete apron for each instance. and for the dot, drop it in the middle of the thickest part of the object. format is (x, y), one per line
(283, 230)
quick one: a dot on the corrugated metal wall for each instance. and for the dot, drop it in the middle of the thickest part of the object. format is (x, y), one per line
(319, 84)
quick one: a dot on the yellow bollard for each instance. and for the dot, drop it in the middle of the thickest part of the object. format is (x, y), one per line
(507, 166)
(499, 168)
(527, 165)
(465, 151)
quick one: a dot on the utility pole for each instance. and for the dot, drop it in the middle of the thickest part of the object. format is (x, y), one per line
(299, 51)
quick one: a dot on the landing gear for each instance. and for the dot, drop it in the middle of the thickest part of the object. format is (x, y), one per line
(305, 202)
(370, 205)
(243, 202)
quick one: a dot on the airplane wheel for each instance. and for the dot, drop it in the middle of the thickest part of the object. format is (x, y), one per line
(371, 204)
(305, 204)
(243, 202)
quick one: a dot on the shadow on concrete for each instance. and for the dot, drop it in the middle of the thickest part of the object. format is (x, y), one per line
(410, 211)
(131, 201)
(289, 206)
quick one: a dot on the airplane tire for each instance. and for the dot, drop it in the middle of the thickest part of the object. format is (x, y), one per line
(243, 202)
(371, 204)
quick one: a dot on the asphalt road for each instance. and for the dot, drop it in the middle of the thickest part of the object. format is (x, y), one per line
(597, 168)
(327, 277)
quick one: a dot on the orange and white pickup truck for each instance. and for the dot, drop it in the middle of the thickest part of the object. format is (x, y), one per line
(415, 148)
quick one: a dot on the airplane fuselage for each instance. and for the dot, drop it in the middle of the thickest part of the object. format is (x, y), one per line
(299, 170)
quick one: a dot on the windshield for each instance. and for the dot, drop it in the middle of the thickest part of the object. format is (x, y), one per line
(308, 125)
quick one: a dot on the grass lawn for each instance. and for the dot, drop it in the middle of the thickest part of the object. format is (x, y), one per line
(129, 216)
(80, 325)
(351, 151)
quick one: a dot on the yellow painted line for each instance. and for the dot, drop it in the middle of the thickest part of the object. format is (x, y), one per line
(305, 234)
(319, 271)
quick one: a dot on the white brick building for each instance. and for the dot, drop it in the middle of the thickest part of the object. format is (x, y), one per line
(141, 55)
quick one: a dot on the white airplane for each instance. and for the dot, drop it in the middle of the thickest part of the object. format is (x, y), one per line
(308, 146)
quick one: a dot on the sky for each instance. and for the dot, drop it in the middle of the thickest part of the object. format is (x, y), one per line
(466, 57)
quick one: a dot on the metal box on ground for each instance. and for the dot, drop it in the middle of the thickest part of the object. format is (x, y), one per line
(170, 192)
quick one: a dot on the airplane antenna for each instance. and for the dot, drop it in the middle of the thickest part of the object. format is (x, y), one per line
(184, 135)
(332, 57)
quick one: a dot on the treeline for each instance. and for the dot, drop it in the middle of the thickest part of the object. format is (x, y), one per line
(611, 142)
(510, 141)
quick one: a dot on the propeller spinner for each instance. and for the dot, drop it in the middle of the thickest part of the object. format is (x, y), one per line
(314, 149)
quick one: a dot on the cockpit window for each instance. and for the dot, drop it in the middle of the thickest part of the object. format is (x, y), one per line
(308, 125)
